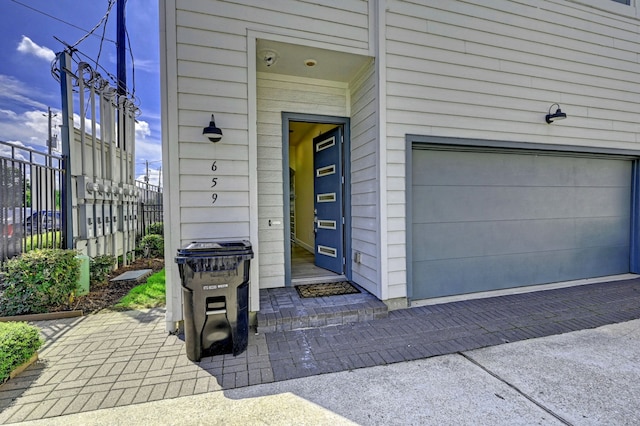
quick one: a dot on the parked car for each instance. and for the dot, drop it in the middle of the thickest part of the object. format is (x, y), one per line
(42, 221)
(11, 230)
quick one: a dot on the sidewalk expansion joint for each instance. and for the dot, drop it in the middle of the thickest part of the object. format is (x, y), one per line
(515, 388)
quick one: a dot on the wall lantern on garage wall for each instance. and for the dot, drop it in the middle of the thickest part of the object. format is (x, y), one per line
(558, 115)
(213, 133)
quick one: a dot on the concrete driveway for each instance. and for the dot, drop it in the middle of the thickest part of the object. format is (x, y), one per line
(588, 377)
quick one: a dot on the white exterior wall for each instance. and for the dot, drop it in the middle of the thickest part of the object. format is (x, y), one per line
(491, 70)
(209, 67)
(364, 180)
(276, 94)
(484, 69)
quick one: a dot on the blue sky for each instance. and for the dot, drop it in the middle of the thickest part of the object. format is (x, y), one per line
(28, 43)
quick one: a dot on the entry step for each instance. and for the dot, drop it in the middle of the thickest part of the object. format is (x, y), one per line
(282, 309)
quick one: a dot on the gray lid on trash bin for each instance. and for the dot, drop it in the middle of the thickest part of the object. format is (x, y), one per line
(215, 249)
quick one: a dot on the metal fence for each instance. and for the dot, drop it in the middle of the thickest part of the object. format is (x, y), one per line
(31, 208)
(149, 207)
(31, 184)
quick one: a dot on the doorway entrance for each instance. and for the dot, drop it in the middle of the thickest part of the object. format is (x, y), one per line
(316, 196)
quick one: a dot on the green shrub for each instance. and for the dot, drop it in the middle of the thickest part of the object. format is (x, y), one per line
(121, 259)
(18, 342)
(153, 245)
(156, 228)
(36, 280)
(100, 267)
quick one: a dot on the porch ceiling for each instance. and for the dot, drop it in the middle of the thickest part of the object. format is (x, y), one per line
(291, 58)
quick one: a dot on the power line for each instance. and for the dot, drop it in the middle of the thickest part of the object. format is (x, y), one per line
(133, 64)
(59, 20)
(104, 19)
(104, 30)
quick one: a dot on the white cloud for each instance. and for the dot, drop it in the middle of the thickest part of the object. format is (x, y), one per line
(142, 129)
(28, 47)
(147, 149)
(16, 91)
(6, 151)
(5, 113)
(147, 65)
(29, 127)
(17, 143)
(155, 176)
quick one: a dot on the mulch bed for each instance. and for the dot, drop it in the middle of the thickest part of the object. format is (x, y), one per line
(108, 294)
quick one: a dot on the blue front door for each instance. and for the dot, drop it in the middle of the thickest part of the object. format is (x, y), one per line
(328, 182)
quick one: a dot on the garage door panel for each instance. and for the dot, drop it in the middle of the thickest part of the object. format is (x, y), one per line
(602, 261)
(602, 231)
(479, 169)
(474, 239)
(598, 172)
(459, 276)
(484, 221)
(467, 204)
(602, 201)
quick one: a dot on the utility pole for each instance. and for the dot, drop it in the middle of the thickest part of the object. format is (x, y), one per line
(147, 175)
(50, 116)
(121, 48)
(121, 64)
(66, 90)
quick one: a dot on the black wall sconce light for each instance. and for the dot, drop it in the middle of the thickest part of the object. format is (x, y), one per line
(558, 115)
(213, 133)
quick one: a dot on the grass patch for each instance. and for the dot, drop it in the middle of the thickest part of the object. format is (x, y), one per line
(44, 240)
(148, 295)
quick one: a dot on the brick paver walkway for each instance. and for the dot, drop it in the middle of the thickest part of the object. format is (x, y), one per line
(115, 359)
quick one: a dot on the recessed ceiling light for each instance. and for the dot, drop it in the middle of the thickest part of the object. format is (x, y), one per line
(310, 62)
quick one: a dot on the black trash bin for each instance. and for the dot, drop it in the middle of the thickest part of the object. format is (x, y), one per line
(215, 297)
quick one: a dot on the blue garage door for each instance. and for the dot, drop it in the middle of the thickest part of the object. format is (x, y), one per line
(494, 220)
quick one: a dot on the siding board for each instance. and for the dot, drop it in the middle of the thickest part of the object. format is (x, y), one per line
(364, 183)
(319, 23)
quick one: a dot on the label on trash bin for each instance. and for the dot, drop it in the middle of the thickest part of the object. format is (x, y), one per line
(214, 287)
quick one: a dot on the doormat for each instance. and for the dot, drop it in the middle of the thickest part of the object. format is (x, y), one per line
(326, 289)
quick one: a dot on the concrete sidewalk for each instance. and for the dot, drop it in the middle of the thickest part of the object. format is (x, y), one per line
(589, 377)
(121, 359)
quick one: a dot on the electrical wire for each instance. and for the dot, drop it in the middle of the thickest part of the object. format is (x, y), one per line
(56, 72)
(77, 57)
(102, 39)
(104, 18)
(133, 65)
(58, 19)
(104, 30)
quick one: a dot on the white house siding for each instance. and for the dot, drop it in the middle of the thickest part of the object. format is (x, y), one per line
(491, 70)
(204, 71)
(364, 178)
(278, 93)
